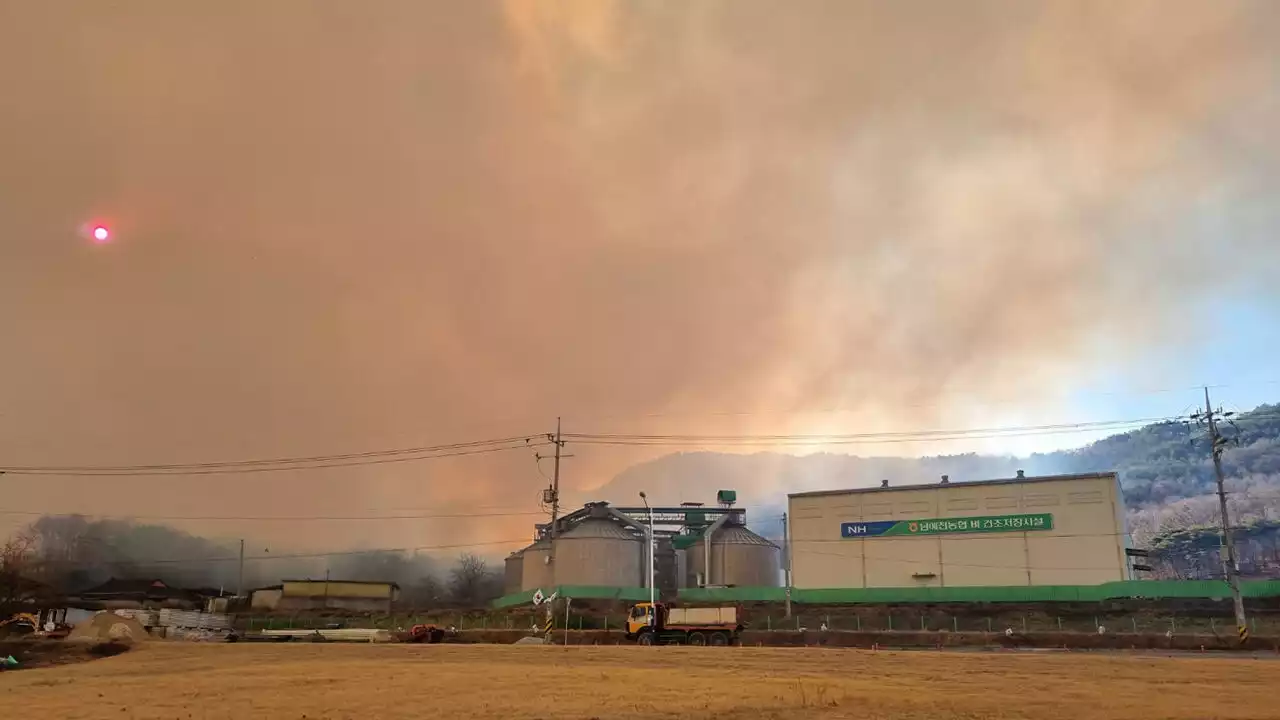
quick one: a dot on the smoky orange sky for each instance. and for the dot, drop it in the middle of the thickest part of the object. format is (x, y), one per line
(346, 226)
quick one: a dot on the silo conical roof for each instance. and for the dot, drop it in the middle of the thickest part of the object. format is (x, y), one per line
(598, 528)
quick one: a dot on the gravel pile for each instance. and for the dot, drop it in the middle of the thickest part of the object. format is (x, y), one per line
(107, 626)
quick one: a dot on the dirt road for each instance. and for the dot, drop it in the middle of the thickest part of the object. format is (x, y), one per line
(204, 682)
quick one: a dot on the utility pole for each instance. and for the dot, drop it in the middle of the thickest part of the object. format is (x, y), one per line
(555, 516)
(1230, 564)
(240, 578)
(786, 549)
(555, 492)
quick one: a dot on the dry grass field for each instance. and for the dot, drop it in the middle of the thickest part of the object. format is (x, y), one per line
(199, 682)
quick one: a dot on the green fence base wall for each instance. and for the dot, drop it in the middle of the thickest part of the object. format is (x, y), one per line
(577, 592)
(1127, 589)
(1200, 589)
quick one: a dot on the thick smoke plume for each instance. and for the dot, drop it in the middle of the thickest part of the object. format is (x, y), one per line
(346, 226)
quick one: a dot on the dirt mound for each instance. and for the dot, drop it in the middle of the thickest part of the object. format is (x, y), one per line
(110, 648)
(39, 653)
(110, 628)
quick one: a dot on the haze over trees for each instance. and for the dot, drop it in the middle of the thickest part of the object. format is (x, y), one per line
(71, 552)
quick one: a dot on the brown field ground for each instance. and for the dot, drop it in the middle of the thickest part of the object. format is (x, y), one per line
(205, 681)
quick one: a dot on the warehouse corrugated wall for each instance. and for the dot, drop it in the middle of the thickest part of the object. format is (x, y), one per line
(513, 572)
(1207, 589)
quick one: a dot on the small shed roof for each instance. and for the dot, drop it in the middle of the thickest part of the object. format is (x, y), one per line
(335, 581)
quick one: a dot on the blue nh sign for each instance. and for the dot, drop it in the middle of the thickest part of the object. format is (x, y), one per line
(865, 529)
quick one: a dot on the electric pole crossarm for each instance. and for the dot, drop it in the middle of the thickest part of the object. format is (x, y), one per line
(786, 549)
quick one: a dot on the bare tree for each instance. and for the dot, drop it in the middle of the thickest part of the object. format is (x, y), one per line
(62, 547)
(16, 565)
(426, 592)
(472, 583)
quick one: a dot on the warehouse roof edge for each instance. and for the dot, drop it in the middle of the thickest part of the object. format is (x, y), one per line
(962, 483)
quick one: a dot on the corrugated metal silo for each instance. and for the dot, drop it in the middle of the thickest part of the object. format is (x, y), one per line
(535, 571)
(666, 567)
(682, 545)
(738, 557)
(598, 551)
(511, 573)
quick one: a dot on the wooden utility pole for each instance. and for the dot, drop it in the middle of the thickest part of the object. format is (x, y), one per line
(786, 550)
(555, 492)
(1230, 564)
(555, 516)
(240, 577)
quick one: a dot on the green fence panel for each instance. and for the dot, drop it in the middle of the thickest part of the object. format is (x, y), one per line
(732, 595)
(1205, 589)
(577, 592)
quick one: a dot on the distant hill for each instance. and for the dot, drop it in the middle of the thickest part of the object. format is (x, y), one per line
(1166, 462)
(1165, 472)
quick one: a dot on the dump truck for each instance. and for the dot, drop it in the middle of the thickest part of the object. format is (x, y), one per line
(683, 626)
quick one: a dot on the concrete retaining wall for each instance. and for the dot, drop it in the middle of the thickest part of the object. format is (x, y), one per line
(1071, 641)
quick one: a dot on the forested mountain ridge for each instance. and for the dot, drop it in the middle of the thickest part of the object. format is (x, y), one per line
(1159, 464)
(1165, 470)
(1169, 461)
(1170, 491)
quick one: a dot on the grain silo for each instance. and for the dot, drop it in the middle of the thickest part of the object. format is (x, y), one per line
(535, 567)
(512, 572)
(599, 550)
(738, 557)
(666, 561)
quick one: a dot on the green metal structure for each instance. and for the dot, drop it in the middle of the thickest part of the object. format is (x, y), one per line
(1127, 589)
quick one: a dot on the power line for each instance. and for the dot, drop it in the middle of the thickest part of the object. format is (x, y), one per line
(886, 434)
(282, 556)
(275, 518)
(285, 460)
(118, 471)
(375, 457)
(861, 438)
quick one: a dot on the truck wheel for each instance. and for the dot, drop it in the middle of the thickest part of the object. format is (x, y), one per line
(646, 638)
(697, 638)
(719, 639)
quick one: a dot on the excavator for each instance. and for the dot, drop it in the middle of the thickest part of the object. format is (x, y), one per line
(429, 634)
(20, 624)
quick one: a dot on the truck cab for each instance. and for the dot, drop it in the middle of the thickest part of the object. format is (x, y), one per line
(640, 619)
